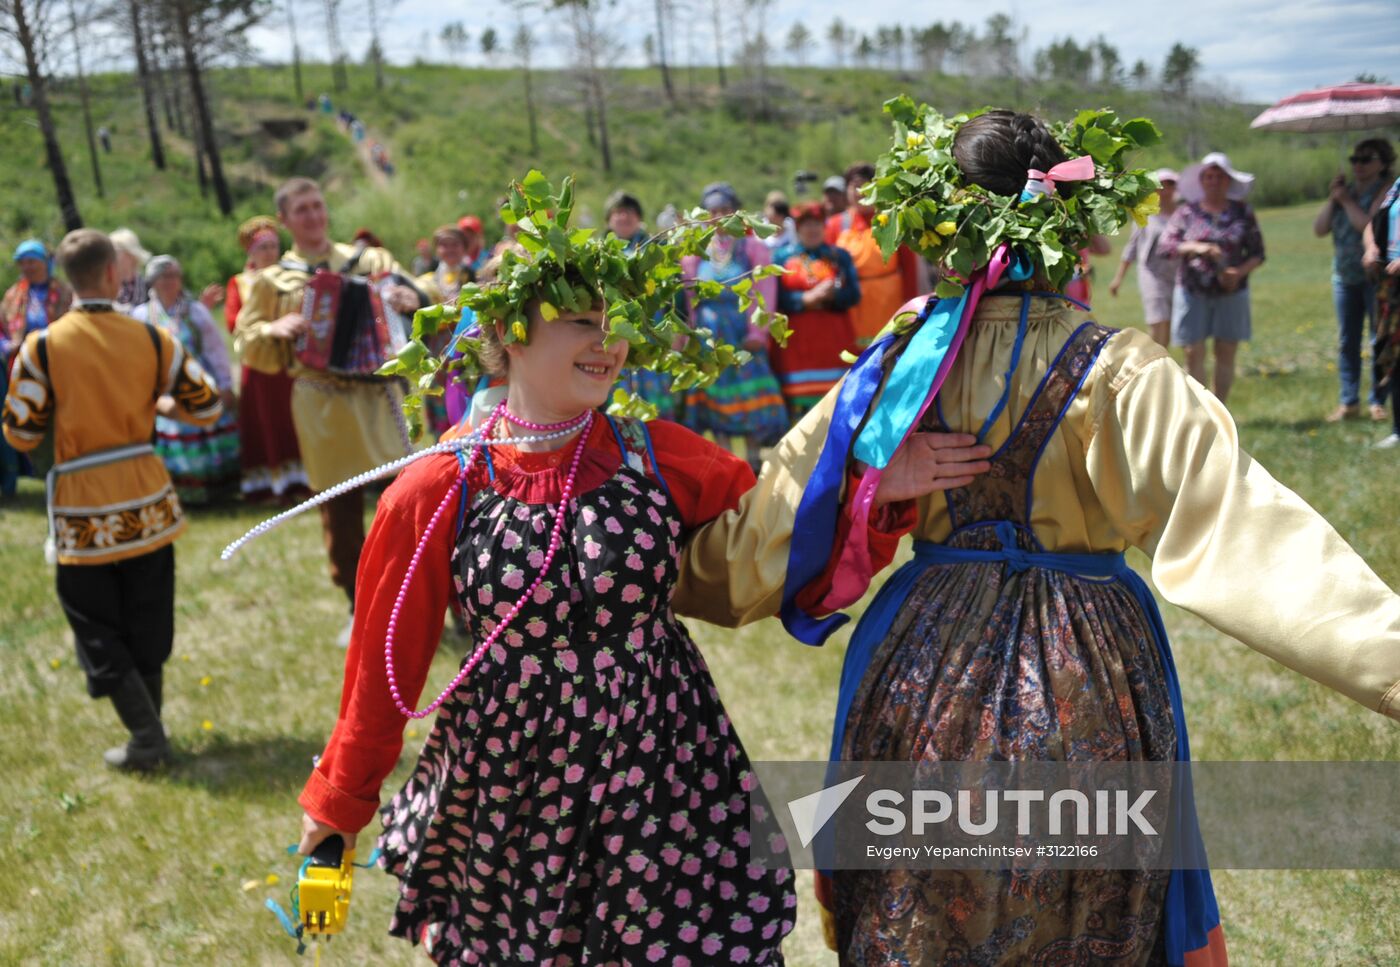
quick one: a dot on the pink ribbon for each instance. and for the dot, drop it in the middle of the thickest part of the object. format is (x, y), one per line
(1078, 169)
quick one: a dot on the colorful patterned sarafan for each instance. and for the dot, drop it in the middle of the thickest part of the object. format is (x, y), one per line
(997, 650)
(587, 801)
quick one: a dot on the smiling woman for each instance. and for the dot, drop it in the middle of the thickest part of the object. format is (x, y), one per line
(562, 561)
(557, 532)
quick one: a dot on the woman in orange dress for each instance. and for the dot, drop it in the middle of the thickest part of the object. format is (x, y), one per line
(885, 284)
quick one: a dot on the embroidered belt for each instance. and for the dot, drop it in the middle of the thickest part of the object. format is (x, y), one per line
(98, 458)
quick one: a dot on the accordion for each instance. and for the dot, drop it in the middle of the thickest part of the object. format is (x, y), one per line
(350, 330)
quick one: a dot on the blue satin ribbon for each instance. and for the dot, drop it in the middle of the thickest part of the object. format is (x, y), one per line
(900, 404)
(1190, 911)
(814, 526)
(907, 388)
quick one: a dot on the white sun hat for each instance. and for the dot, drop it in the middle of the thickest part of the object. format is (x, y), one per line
(125, 240)
(1189, 187)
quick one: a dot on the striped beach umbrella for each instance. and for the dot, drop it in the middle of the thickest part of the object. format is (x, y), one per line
(1342, 107)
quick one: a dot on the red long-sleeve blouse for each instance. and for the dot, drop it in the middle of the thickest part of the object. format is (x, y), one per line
(704, 479)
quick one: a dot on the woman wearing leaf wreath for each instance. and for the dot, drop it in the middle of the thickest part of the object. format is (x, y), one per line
(582, 797)
(1017, 633)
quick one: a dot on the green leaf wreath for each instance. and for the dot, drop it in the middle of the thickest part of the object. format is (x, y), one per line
(572, 269)
(923, 201)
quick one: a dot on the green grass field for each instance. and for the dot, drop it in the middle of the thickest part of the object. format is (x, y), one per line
(107, 869)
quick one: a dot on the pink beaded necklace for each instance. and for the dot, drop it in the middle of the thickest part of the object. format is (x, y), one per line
(583, 420)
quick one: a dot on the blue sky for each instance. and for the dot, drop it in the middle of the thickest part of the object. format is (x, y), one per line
(1262, 49)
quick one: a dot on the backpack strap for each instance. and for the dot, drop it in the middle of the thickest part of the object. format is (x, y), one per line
(350, 266)
(155, 344)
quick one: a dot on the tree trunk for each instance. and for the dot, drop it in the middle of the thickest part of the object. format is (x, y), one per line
(719, 43)
(530, 111)
(83, 97)
(143, 71)
(201, 173)
(62, 187)
(162, 74)
(177, 95)
(340, 81)
(661, 50)
(204, 122)
(590, 121)
(376, 51)
(586, 36)
(296, 51)
(601, 104)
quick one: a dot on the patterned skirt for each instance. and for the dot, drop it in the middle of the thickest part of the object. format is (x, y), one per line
(986, 663)
(655, 388)
(609, 822)
(269, 457)
(811, 364)
(744, 401)
(1386, 350)
(202, 460)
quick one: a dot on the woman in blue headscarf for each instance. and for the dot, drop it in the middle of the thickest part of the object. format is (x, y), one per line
(33, 302)
(36, 300)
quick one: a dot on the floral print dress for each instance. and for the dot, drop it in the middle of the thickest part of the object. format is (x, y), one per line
(582, 797)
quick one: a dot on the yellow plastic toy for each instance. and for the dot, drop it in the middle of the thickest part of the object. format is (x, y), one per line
(323, 892)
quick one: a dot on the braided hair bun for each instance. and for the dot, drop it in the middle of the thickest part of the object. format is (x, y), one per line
(951, 188)
(996, 149)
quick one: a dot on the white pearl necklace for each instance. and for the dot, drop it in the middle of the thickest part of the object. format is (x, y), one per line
(473, 439)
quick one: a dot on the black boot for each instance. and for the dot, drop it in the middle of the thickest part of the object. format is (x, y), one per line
(154, 683)
(148, 748)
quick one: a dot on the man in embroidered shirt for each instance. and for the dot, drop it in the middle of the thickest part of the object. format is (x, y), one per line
(97, 379)
(344, 426)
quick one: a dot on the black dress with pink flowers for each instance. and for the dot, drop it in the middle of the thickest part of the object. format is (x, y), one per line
(582, 797)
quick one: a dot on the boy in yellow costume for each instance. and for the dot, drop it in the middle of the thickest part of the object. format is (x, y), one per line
(345, 425)
(96, 379)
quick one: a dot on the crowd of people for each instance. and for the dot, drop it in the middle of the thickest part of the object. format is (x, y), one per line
(589, 676)
(1193, 260)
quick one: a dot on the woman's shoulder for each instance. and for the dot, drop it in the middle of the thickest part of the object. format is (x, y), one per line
(667, 434)
(418, 490)
(674, 444)
(1125, 353)
(200, 312)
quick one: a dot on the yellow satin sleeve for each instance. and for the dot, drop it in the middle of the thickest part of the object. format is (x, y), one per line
(1231, 544)
(733, 568)
(1144, 457)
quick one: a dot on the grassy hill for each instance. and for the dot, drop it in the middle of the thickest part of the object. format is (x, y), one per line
(458, 135)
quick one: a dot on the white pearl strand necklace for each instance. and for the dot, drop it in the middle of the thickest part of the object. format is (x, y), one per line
(473, 439)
